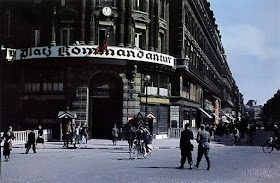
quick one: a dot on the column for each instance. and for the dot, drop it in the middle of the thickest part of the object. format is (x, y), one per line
(152, 27)
(92, 24)
(129, 25)
(53, 42)
(82, 41)
(156, 24)
(120, 29)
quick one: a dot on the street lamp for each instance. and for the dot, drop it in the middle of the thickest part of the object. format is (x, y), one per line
(147, 79)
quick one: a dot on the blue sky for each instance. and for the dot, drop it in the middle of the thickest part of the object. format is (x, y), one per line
(250, 31)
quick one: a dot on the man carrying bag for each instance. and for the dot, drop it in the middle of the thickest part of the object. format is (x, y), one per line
(186, 146)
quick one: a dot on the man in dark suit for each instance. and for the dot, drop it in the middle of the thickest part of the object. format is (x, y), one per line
(31, 141)
(203, 140)
(186, 146)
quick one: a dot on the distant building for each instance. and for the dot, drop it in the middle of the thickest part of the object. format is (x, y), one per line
(271, 109)
(253, 111)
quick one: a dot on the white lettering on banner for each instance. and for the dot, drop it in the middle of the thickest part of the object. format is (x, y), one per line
(88, 51)
(10, 54)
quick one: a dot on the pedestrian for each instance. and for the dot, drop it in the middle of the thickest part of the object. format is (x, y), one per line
(146, 140)
(84, 134)
(31, 142)
(276, 134)
(68, 134)
(115, 133)
(40, 138)
(77, 135)
(131, 137)
(251, 133)
(8, 143)
(235, 135)
(186, 146)
(203, 140)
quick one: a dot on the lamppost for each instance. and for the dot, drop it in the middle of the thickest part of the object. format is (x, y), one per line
(147, 79)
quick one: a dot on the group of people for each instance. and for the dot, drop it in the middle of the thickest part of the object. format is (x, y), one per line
(9, 136)
(203, 140)
(32, 141)
(137, 136)
(75, 134)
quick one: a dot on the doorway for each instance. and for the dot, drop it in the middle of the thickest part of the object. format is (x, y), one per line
(106, 104)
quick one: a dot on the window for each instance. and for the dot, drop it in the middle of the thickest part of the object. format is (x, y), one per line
(37, 38)
(139, 36)
(37, 1)
(66, 36)
(138, 40)
(8, 23)
(139, 5)
(28, 87)
(162, 9)
(62, 2)
(107, 3)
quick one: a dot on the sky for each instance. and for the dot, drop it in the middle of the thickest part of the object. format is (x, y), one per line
(250, 31)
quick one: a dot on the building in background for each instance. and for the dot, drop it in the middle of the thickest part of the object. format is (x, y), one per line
(93, 57)
(253, 110)
(203, 86)
(271, 111)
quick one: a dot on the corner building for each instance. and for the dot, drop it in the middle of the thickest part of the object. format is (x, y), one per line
(55, 66)
(55, 59)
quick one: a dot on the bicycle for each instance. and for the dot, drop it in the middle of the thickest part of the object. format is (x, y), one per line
(270, 145)
(139, 149)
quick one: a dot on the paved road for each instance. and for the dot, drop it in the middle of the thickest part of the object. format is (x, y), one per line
(101, 162)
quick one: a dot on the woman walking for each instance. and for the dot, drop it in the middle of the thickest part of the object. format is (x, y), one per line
(9, 137)
(40, 138)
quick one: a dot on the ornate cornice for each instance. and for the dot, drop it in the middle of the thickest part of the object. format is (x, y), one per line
(141, 17)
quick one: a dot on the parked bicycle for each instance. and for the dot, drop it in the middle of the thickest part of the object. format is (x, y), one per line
(270, 145)
(140, 149)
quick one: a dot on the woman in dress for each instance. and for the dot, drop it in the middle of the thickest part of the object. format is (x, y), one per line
(40, 138)
(9, 137)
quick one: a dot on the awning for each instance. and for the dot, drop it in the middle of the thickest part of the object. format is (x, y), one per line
(216, 116)
(67, 114)
(151, 116)
(205, 113)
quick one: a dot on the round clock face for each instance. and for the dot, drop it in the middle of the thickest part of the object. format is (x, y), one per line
(107, 11)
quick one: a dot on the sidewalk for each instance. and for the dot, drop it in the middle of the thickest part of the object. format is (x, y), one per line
(168, 143)
(260, 137)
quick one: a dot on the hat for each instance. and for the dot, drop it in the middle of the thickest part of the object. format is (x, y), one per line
(202, 126)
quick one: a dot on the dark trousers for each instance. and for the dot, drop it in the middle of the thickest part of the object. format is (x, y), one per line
(66, 139)
(29, 146)
(202, 151)
(186, 154)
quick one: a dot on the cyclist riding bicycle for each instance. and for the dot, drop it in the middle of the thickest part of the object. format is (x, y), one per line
(276, 134)
(235, 133)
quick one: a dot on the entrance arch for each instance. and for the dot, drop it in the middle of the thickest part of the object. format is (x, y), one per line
(106, 104)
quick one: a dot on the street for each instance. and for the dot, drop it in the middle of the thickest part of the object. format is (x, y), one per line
(101, 162)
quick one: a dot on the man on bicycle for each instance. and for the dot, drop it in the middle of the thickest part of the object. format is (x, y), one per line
(276, 134)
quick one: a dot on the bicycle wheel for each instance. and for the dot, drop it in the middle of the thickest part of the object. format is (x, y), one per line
(267, 147)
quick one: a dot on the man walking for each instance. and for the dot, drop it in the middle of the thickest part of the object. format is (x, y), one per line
(31, 141)
(203, 140)
(186, 146)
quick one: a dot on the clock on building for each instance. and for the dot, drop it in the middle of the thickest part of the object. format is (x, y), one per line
(107, 11)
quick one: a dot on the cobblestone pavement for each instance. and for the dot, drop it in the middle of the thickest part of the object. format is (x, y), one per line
(101, 162)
